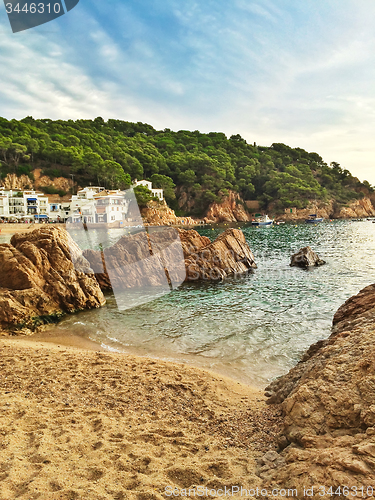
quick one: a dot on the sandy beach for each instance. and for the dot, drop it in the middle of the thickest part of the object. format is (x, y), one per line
(22, 227)
(86, 424)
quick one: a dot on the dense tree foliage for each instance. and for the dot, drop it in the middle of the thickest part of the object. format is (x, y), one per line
(143, 195)
(196, 166)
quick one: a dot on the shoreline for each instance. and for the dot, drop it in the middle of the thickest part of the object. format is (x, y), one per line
(14, 228)
(89, 424)
(75, 341)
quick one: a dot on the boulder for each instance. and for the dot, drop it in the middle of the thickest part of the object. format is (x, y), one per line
(306, 257)
(39, 282)
(328, 403)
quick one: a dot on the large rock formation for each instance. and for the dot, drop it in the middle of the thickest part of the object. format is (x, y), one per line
(12, 181)
(38, 280)
(331, 210)
(231, 209)
(228, 255)
(143, 259)
(159, 214)
(306, 257)
(358, 208)
(328, 401)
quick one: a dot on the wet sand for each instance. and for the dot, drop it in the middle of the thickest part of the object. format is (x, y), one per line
(86, 424)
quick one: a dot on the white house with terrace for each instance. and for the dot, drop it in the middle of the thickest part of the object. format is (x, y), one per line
(158, 193)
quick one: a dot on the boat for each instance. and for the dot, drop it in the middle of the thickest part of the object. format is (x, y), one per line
(314, 219)
(262, 220)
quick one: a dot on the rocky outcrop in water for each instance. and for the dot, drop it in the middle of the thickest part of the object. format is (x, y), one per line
(306, 257)
(38, 280)
(228, 255)
(143, 259)
(328, 401)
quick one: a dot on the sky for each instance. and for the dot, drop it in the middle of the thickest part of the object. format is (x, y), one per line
(291, 71)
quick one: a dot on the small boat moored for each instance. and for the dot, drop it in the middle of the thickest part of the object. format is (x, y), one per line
(313, 219)
(262, 220)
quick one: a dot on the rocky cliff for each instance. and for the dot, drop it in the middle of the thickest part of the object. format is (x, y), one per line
(358, 208)
(38, 280)
(328, 402)
(143, 259)
(330, 210)
(11, 181)
(159, 214)
(231, 209)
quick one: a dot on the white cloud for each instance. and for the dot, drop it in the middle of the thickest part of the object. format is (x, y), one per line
(274, 71)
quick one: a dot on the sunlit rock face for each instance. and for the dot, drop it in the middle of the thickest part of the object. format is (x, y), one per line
(39, 282)
(328, 402)
(228, 255)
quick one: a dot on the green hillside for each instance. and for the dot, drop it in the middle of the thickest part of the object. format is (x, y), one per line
(203, 167)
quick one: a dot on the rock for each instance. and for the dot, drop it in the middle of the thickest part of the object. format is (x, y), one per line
(60, 183)
(306, 257)
(328, 403)
(228, 255)
(231, 209)
(358, 209)
(186, 198)
(328, 210)
(355, 309)
(321, 209)
(159, 214)
(140, 260)
(12, 181)
(38, 280)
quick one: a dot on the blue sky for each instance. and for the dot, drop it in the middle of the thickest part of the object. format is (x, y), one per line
(298, 72)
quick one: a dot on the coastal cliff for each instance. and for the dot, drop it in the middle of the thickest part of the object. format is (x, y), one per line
(230, 209)
(38, 280)
(330, 210)
(328, 403)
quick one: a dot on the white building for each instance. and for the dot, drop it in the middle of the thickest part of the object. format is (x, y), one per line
(86, 193)
(97, 205)
(155, 192)
(17, 205)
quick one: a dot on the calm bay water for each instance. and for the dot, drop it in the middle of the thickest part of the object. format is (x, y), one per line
(253, 328)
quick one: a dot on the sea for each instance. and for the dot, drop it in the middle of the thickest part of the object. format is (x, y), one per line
(252, 328)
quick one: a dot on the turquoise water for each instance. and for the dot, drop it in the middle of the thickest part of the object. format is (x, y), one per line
(253, 328)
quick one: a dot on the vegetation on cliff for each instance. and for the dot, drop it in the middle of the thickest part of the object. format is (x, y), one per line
(204, 167)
